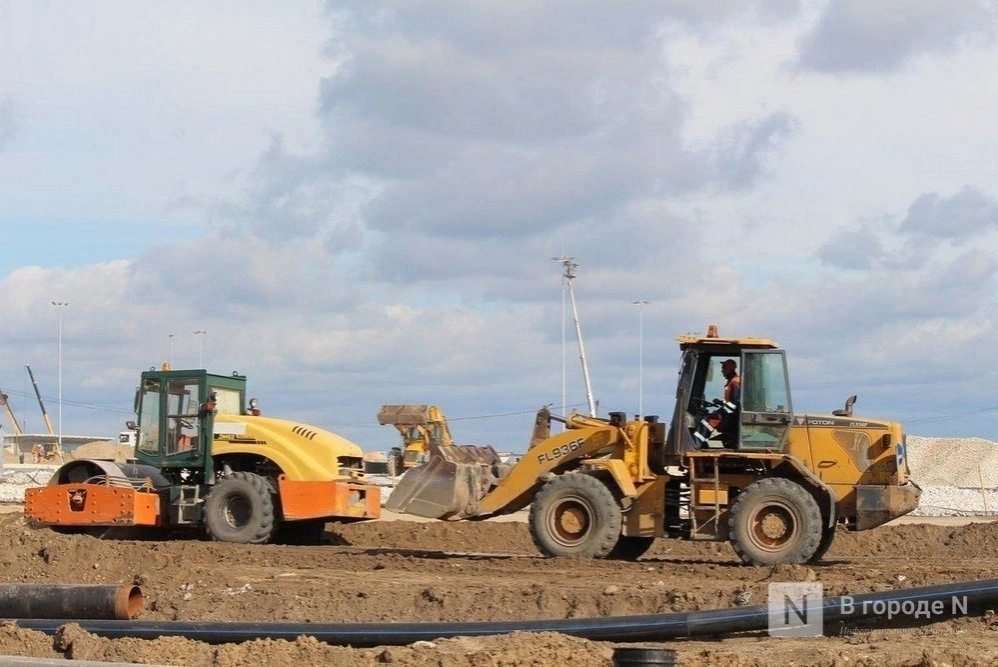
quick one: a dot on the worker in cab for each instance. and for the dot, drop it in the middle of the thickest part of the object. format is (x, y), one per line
(722, 424)
(733, 386)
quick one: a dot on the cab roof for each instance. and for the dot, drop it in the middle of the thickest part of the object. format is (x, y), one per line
(706, 341)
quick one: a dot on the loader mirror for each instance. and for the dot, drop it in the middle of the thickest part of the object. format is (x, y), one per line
(131, 425)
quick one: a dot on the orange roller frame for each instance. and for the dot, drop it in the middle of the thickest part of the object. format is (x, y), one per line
(332, 499)
(91, 505)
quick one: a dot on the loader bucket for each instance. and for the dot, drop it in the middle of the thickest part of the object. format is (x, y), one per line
(448, 486)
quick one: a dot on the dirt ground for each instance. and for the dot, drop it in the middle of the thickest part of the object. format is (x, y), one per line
(404, 571)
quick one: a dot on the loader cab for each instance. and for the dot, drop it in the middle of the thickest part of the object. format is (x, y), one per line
(176, 415)
(757, 419)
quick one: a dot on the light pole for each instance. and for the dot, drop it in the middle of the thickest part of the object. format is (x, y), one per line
(60, 305)
(200, 334)
(171, 351)
(641, 355)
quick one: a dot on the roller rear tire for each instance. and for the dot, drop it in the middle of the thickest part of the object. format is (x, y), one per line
(240, 509)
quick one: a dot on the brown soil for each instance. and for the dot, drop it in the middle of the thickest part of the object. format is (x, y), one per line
(408, 571)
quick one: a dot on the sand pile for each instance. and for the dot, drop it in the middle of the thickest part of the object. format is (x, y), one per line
(103, 449)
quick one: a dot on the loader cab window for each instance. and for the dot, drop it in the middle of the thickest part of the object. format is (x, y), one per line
(183, 401)
(766, 411)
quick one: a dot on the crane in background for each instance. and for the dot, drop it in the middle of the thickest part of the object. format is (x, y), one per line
(41, 404)
(50, 450)
(10, 413)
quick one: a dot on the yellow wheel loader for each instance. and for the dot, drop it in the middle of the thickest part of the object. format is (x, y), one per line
(205, 458)
(739, 466)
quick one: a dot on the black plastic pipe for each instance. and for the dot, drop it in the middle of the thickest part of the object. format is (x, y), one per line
(77, 601)
(973, 597)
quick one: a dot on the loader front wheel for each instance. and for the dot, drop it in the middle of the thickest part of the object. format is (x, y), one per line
(240, 509)
(775, 521)
(575, 515)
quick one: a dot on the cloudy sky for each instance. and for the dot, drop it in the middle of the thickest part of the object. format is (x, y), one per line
(359, 203)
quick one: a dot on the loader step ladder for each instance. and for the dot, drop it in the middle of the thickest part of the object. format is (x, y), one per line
(186, 507)
(708, 499)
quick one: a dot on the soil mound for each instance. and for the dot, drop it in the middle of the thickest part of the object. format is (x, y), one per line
(103, 449)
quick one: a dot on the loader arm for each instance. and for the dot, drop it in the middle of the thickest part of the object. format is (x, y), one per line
(515, 491)
(464, 481)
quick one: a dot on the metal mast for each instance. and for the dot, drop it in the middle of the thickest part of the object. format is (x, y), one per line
(569, 275)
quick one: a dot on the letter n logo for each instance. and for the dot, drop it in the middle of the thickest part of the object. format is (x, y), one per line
(795, 609)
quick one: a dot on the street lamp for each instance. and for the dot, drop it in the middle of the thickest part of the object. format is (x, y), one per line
(200, 334)
(171, 351)
(60, 305)
(641, 355)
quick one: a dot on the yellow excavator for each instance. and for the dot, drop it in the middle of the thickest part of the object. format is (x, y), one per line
(736, 466)
(422, 427)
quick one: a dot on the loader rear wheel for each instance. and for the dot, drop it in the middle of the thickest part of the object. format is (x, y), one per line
(630, 547)
(775, 521)
(240, 509)
(575, 515)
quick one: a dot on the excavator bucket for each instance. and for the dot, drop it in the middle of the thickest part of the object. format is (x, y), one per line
(449, 485)
(404, 414)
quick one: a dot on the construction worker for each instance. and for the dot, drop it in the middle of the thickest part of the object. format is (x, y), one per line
(724, 420)
(733, 386)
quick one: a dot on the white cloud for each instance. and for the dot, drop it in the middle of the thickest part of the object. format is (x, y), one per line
(961, 217)
(881, 36)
